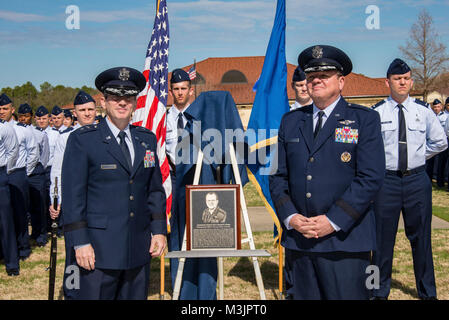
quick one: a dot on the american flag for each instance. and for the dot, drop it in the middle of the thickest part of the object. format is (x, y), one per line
(152, 101)
(192, 72)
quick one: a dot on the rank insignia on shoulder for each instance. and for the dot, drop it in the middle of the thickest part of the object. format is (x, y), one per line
(149, 159)
(347, 122)
(345, 156)
(346, 135)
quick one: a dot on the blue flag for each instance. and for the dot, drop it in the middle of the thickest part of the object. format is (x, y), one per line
(270, 104)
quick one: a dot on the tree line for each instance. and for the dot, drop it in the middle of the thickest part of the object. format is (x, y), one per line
(48, 95)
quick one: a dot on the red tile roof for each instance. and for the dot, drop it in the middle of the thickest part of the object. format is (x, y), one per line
(213, 69)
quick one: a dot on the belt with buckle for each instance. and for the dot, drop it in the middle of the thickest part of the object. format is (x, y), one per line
(401, 174)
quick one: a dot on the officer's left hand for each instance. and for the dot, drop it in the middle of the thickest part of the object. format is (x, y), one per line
(323, 226)
(158, 244)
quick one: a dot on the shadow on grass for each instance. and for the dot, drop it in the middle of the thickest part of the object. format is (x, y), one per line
(244, 270)
(404, 288)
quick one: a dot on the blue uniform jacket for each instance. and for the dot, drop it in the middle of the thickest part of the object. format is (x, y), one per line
(338, 179)
(107, 205)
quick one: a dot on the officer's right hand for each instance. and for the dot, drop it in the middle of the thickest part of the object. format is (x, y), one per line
(85, 257)
(304, 225)
(54, 213)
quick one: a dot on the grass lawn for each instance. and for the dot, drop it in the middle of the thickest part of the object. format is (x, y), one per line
(239, 282)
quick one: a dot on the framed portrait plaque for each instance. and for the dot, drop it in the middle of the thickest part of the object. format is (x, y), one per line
(213, 217)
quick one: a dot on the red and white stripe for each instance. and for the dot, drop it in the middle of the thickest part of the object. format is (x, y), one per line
(151, 114)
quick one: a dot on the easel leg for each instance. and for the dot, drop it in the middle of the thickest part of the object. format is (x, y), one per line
(220, 278)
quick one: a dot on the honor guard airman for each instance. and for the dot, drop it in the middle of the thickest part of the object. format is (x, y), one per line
(330, 167)
(299, 85)
(37, 180)
(9, 151)
(113, 201)
(18, 179)
(411, 134)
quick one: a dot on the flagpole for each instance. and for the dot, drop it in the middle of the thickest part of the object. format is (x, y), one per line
(194, 66)
(162, 293)
(281, 269)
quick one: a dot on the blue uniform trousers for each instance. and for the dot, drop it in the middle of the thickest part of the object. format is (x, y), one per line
(105, 284)
(411, 194)
(8, 242)
(38, 205)
(20, 197)
(317, 275)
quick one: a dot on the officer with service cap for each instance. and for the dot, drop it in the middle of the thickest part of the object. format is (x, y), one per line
(299, 85)
(113, 199)
(330, 167)
(18, 173)
(9, 149)
(57, 116)
(37, 180)
(411, 134)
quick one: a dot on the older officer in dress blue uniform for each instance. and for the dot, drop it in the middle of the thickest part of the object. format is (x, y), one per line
(331, 166)
(9, 151)
(411, 133)
(18, 178)
(299, 85)
(113, 198)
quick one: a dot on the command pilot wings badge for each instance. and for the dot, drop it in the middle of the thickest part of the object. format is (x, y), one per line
(347, 122)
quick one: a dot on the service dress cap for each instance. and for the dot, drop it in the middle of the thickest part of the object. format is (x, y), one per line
(324, 58)
(436, 101)
(121, 81)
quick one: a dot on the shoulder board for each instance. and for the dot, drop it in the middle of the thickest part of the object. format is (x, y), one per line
(20, 124)
(378, 104)
(87, 128)
(2, 121)
(55, 130)
(38, 129)
(425, 104)
(358, 106)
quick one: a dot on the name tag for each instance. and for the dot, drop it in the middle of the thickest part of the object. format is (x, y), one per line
(293, 140)
(385, 122)
(108, 166)
(346, 135)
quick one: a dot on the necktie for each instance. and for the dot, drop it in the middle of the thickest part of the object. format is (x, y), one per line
(318, 124)
(125, 148)
(402, 162)
(180, 122)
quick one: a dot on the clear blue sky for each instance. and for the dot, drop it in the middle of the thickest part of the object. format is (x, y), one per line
(36, 46)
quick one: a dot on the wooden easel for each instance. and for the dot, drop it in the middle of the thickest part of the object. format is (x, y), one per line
(247, 253)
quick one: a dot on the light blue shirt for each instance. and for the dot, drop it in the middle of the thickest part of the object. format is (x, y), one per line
(327, 112)
(9, 146)
(442, 117)
(28, 149)
(171, 139)
(53, 136)
(115, 131)
(425, 135)
(42, 142)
